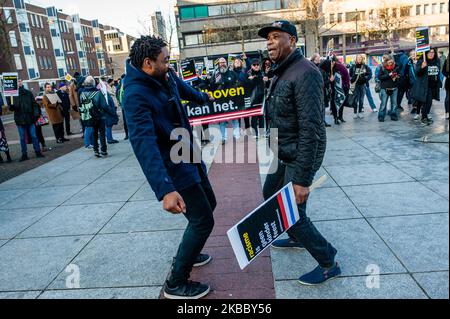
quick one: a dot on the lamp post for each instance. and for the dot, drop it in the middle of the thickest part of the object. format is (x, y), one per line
(357, 38)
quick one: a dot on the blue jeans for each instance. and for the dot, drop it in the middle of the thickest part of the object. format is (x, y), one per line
(304, 232)
(370, 98)
(224, 131)
(384, 101)
(88, 136)
(358, 104)
(32, 131)
(109, 136)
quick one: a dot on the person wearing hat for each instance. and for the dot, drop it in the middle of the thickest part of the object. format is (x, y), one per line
(297, 112)
(256, 79)
(65, 99)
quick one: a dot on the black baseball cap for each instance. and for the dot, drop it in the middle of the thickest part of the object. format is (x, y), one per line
(281, 25)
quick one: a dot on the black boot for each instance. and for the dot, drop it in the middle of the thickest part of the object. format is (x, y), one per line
(39, 155)
(24, 158)
(8, 157)
(336, 121)
(342, 120)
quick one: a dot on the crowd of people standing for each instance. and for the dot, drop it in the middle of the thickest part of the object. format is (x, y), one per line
(398, 78)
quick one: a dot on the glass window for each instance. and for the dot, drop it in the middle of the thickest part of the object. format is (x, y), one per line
(443, 30)
(339, 19)
(418, 10)
(18, 62)
(191, 39)
(426, 9)
(8, 16)
(442, 7)
(13, 39)
(45, 43)
(331, 17)
(187, 13)
(41, 41)
(36, 42)
(201, 12)
(434, 8)
(405, 11)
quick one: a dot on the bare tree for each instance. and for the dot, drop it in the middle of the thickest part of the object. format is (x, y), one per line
(171, 31)
(391, 18)
(7, 24)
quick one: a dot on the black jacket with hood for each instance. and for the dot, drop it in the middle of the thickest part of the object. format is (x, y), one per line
(297, 111)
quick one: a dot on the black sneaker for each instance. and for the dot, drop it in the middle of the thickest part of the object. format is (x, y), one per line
(65, 140)
(97, 154)
(202, 260)
(190, 290)
(104, 153)
(39, 155)
(24, 158)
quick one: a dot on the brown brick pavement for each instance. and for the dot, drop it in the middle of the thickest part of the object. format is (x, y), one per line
(238, 191)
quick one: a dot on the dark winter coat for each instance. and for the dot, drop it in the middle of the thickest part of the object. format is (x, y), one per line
(364, 72)
(420, 88)
(297, 111)
(153, 110)
(25, 108)
(386, 81)
(257, 86)
(445, 71)
(65, 99)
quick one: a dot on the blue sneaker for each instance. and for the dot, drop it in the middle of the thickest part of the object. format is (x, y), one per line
(287, 243)
(320, 275)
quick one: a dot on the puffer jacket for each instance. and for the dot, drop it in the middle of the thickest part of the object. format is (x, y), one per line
(25, 108)
(297, 111)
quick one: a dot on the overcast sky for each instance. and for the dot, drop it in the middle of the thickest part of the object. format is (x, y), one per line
(124, 14)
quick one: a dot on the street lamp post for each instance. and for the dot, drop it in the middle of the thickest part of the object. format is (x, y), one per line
(357, 37)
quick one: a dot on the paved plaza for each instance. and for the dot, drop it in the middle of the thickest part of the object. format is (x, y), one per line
(384, 206)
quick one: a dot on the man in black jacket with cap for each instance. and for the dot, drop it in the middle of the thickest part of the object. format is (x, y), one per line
(297, 111)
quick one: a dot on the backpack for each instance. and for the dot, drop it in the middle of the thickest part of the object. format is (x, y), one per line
(88, 110)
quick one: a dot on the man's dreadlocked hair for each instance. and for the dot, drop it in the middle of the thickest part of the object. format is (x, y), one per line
(146, 47)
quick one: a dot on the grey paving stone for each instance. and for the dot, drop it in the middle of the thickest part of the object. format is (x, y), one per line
(330, 204)
(425, 170)
(390, 141)
(29, 180)
(9, 195)
(391, 287)
(367, 174)
(384, 200)
(421, 242)
(109, 293)
(329, 182)
(125, 260)
(350, 157)
(408, 152)
(130, 161)
(434, 283)
(439, 186)
(144, 193)
(31, 264)
(144, 216)
(14, 221)
(358, 247)
(44, 197)
(105, 193)
(344, 143)
(73, 220)
(122, 174)
(19, 295)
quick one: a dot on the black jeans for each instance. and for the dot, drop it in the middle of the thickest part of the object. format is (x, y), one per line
(99, 131)
(258, 123)
(425, 108)
(125, 126)
(304, 231)
(58, 129)
(200, 204)
(67, 122)
(360, 94)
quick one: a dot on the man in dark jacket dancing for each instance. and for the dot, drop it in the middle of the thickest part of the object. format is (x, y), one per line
(297, 111)
(153, 110)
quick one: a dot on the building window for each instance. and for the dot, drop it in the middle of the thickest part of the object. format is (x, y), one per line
(13, 39)
(442, 7)
(196, 12)
(331, 18)
(434, 8)
(193, 39)
(443, 30)
(22, 27)
(426, 9)
(18, 62)
(418, 10)
(339, 19)
(405, 11)
(8, 16)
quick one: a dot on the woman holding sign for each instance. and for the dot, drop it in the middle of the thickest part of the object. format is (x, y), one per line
(427, 85)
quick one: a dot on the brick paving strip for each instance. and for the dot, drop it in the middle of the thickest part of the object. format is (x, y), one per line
(238, 191)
